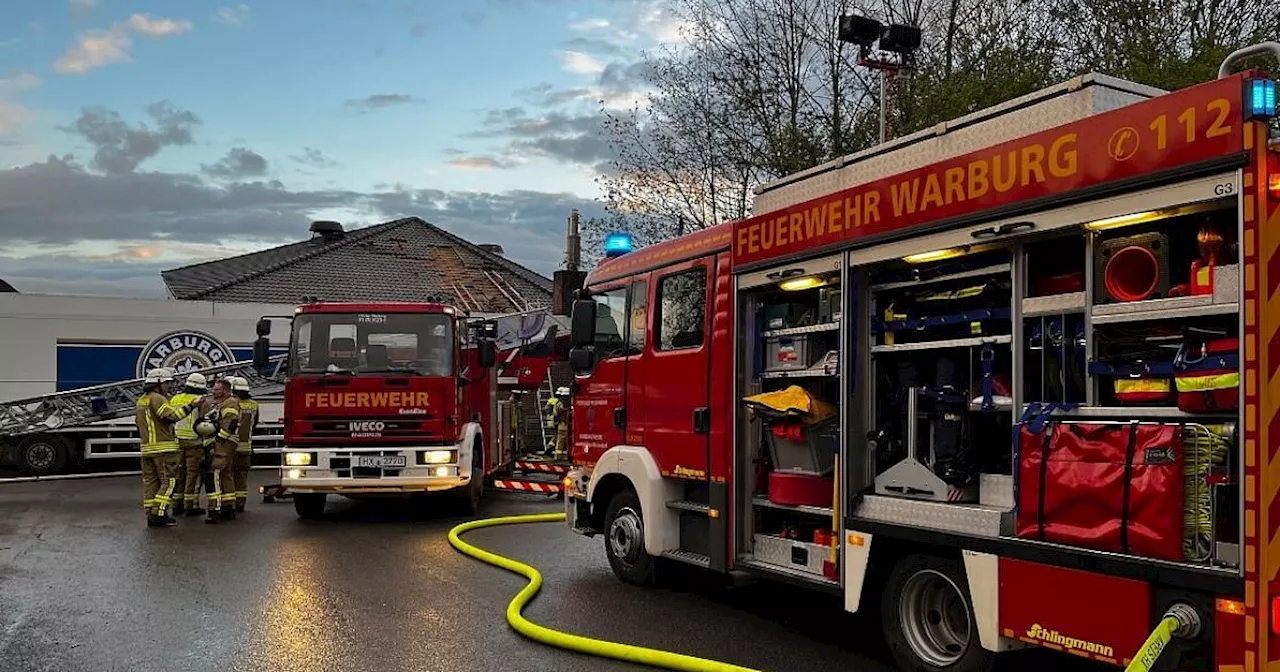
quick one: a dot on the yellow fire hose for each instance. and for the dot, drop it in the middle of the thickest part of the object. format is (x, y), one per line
(1179, 621)
(565, 640)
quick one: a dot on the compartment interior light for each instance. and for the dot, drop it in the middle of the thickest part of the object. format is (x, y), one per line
(1122, 220)
(936, 255)
(803, 282)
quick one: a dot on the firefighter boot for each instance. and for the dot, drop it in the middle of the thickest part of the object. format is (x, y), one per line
(160, 521)
(228, 512)
(179, 509)
(213, 518)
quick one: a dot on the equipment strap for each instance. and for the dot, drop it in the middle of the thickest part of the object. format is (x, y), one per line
(1128, 486)
(1046, 444)
(988, 358)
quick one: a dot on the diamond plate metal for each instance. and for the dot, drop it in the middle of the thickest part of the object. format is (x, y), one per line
(1064, 103)
(976, 520)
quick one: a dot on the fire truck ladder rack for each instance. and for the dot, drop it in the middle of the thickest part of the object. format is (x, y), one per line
(113, 400)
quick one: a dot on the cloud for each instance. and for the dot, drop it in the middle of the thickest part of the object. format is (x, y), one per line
(580, 63)
(314, 158)
(575, 138)
(475, 18)
(81, 6)
(419, 29)
(70, 230)
(120, 148)
(12, 113)
(98, 47)
(238, 164)
(232, 16)
(381, 100)
(596, 46)
(590, 25)
(482, 162)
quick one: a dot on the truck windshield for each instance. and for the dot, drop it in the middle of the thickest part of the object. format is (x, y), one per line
(416, 343)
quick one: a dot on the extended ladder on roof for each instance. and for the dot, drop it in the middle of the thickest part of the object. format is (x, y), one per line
(115, 400)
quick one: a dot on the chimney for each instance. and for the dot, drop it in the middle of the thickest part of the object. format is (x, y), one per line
(491, 248)
(326, 231)
(566, 283)
(573, 246)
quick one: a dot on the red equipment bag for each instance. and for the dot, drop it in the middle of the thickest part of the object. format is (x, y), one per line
(1207, 376)
(1109, 487)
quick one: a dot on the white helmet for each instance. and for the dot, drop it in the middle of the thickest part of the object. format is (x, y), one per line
(204, 427)
(562, 391)
(197, 381)
(239, 384)
(158, 376)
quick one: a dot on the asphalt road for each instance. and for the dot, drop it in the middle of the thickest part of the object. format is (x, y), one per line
(84, 585)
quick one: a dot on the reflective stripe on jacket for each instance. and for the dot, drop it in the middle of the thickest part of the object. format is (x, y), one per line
(228, 418)
(185, 429)
(155, 417)
(248, 423)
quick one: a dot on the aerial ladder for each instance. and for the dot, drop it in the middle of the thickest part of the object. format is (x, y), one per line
(116, 400)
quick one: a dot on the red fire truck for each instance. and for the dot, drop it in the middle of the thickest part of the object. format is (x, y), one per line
(986, 379)
(403, 399)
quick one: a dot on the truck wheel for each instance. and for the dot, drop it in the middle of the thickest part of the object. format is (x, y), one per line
(468, 499)
(624, 540)
(42, 455)
(928, 618)
(309, 505)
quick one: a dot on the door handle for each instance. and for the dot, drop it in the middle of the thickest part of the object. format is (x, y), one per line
(620, 417)
(985, 233)
(702, 420)
(1015, 226)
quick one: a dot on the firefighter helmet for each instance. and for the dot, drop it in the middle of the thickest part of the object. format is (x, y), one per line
(205, 427)
(158, 376)
(197, 381)
(239, 384)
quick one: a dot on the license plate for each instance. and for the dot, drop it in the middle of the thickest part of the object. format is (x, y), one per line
(382, 461)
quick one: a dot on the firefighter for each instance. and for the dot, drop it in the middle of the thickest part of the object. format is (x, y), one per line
(557, 415)
(244, 440)
(155, 417)
(190, 444)
(222, 497)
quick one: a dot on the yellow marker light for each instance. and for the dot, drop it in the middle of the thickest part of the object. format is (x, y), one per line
(297, 459)
(294, 474)
(437, 456)
(442, 471)
(797, 284)
(568, 482)
(1122, 220)
(713, 513)
(1227, 606)
(1273, 185)
(857, 540)
(935, 255)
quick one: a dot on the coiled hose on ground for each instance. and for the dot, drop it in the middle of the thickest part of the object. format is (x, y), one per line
(565, 640)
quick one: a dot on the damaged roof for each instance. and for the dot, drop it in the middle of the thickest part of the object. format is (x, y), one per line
(402, 260)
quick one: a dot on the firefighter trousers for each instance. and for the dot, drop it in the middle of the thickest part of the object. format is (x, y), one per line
(192, 474)
(240, 470)
(222, 494)
(159, 481)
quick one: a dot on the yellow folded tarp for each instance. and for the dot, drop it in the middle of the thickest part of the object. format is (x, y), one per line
(794, 401)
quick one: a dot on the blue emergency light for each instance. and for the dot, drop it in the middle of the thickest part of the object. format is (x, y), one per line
(1260, 100)
(618, 244)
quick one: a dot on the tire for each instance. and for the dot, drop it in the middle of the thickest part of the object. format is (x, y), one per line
(468, 499)
(309, 505)
(624, 540)
(42, 455)
(928, 621)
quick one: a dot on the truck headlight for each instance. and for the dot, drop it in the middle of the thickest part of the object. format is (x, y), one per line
(438, 456)
(297, 459)
(294, 474)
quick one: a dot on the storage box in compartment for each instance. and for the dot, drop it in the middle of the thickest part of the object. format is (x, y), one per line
(798, 555)
(784, 315)
(813, 452)
(790, 353)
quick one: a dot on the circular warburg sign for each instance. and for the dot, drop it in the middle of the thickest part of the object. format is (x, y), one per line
(183, 351)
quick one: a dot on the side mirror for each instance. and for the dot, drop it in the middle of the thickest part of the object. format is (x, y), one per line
(582, 359)
(487, 353)
(263, 327)
(582, 331)
(261, 349)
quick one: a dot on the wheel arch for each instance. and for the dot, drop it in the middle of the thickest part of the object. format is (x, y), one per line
(637, 468)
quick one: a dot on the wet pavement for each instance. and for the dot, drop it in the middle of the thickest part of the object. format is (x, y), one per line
(84, 585)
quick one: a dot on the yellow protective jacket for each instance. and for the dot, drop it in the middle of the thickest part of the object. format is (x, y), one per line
(185, 429)
(228, 419)
(155, 416)
(555, 412)
(248, 423)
